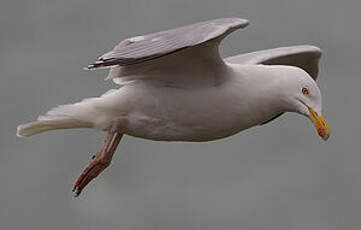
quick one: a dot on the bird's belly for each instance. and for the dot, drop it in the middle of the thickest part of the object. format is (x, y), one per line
(170, 130)
(205, 123)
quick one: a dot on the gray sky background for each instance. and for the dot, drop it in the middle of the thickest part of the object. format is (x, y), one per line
(275, 177)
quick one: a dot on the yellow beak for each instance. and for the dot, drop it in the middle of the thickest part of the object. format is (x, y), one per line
(320, 124)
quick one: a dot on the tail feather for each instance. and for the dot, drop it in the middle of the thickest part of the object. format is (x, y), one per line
(45, 125)
(96, 112)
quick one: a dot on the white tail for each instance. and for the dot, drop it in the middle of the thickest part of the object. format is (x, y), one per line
(96, 112)
(45, 125)
(62, 117)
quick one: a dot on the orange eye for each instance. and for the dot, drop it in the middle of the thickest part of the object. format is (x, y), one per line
(305, 91)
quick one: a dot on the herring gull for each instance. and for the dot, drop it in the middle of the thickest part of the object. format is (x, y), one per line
(174, 86)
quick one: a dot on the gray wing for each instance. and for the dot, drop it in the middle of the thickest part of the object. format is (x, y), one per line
(306, 57)
(142, 48)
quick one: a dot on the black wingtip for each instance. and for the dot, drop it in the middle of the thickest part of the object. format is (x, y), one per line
(97, 64)
(89, 67)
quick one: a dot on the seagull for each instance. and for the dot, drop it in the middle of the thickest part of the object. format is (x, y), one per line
(175, 86)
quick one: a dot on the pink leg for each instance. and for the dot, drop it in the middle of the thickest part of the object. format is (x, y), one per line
(100, 161)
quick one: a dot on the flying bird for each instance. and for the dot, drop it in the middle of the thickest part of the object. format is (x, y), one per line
(175, 86)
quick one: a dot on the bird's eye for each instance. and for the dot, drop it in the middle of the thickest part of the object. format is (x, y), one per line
(305, 91)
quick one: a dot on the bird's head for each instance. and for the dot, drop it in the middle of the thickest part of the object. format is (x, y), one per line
(303, 96)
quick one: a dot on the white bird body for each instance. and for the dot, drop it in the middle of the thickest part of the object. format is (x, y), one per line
(176, 87)
(176, 111)
(168, 111)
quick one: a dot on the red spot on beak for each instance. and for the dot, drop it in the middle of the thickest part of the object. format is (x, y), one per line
(320, 132)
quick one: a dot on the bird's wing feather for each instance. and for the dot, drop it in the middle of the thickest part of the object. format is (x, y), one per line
(305, 56)
(142, 48)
